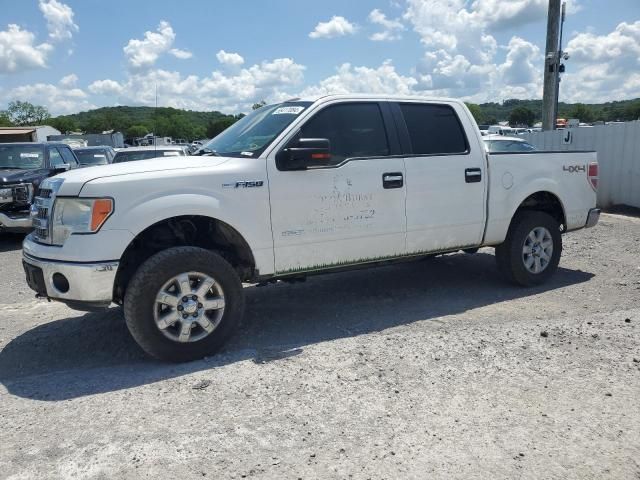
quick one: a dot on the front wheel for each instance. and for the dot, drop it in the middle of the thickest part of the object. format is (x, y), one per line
(531, 252)
(183, 303)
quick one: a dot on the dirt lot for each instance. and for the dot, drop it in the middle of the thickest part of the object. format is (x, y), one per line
(435, 369)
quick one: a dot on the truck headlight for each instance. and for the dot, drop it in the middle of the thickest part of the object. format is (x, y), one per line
(79, 215)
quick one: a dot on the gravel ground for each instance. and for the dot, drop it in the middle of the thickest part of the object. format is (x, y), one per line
(435, 369)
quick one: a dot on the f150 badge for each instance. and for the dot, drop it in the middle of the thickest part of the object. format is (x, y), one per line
(574, 168)
(258, 183)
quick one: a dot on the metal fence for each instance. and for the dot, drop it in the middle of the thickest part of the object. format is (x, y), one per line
(618, 147)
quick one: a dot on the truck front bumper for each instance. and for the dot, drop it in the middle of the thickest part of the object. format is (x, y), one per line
(593, 218)
(20, 222)
(83, 286)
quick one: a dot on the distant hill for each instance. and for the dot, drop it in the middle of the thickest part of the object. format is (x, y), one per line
(191, 125)
(610, 111)
(137, 121)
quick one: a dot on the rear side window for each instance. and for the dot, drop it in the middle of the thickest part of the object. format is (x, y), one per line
(434, 129)
(353, 130)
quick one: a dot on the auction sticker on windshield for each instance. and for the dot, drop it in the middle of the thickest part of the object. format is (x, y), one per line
(29, 155)
(287, 110)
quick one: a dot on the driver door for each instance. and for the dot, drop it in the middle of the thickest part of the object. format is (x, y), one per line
(348, 207)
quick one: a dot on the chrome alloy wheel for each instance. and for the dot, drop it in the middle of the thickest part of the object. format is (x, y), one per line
(189, 307)
(537, 250)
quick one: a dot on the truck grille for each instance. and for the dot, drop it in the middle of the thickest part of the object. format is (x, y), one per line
(40, 213)
(42, 209)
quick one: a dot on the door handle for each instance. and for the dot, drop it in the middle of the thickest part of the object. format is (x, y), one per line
(472, 175)
(392, 180)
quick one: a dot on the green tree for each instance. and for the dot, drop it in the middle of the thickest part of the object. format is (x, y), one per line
(258, 105)
(135, 131)
(582, 112)
(5, 121)
(476, 111)
(522, 116)
(25, 113)
(216, 127)
(632, 111)
(64, 124)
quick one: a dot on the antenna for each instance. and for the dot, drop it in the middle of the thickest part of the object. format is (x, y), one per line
(155, 123)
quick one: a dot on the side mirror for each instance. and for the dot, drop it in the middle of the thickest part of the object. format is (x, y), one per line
(305, 153)
(62, 168)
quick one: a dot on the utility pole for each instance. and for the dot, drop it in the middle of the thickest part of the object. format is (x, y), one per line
(551, 65)
(561, 56)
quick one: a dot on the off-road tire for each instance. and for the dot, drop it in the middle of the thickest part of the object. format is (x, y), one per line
(139, 302)
(509, 254)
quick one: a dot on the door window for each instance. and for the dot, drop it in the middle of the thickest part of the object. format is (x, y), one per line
(434, 129)
(68, 157)
(353, 130)
(55, 158)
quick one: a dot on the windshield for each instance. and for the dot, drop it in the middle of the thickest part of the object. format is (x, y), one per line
(27, 157)
(91, 157)
(145, 155)
(251, 135)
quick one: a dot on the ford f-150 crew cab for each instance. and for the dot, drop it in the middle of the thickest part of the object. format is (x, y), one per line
(291, 190)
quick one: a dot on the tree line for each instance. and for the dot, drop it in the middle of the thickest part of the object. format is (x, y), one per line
(529, 112)
(192, 125)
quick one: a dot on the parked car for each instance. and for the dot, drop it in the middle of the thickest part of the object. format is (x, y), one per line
(484, 129)
(500, 130)
(297, 189)
(23, 166)
(499, 143)
(89, 156)
(144, 153)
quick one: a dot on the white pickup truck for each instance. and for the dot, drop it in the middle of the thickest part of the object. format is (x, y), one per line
(294, 189)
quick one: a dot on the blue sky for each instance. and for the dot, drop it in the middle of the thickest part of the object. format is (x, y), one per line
(72, 55)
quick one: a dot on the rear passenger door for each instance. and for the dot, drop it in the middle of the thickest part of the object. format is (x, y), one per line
(349, 209)
(445, 175)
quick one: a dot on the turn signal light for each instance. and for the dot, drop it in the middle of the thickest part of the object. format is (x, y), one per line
(102, 208)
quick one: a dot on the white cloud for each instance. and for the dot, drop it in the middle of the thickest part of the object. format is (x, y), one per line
(229, 58)
(144, 53)
(59, 17)
(18, 51)
(105, 87)
(58, 99)
(603, 67)
(218, 91)
(336, 27)
(350, 79)
(390, 28)
(181, 54)
(69, 81)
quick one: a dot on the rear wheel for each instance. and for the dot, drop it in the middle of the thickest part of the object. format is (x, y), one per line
(531, 252)
(183, 303)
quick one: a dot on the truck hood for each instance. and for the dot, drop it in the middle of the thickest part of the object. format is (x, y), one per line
(74, 180)
(13, 176)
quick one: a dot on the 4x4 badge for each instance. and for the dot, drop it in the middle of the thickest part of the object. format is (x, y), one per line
(574, 168)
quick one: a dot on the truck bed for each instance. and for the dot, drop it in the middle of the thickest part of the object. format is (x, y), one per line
(515, 176)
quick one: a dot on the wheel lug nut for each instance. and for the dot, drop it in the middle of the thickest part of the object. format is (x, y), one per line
(195, 315)
(180, 308)
(194, 297)
(184, 315)
(200, 305)
(185, 299)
